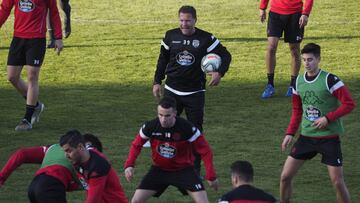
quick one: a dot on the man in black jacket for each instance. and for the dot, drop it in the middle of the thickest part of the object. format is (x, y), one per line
(180, 56)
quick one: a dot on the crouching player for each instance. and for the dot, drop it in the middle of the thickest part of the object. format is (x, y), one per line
(172, 142)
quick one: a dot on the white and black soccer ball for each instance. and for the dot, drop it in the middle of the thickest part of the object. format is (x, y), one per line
(210, 63)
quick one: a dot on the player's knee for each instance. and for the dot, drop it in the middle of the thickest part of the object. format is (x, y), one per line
(295, 51)
(136, 200)
(337, 182)
(272, 48)
(32, 79)
(285, 178)
(13, 79)
(202, 201)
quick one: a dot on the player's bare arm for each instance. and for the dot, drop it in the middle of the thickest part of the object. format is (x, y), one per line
(214, 184)
(303, 21)
(215, 78)
(129, 173)
(286, 142)
(157, 92)
(262, 15)
(59, 46)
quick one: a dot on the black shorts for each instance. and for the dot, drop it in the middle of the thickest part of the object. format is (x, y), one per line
(289, 24)
(307, 147)
(46, 189)
(158, 180)
(27, 52)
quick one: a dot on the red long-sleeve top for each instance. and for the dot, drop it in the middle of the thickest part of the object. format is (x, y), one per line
(172, 149)
(100, 180)
(286, 7)
(30, 17)
(35, 155)
(342, 94)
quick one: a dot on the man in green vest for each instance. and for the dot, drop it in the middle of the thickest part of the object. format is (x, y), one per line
(56, 174)
(319, 101)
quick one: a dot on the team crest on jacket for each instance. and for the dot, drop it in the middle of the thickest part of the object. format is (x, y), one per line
(196, 43)
(166, 150)
(185, 58)
(26, 6)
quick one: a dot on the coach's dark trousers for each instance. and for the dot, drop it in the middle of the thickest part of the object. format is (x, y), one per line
(65, 6)
(194, 109)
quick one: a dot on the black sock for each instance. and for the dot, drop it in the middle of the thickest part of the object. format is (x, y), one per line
(37, 103)
(293, 80)
(29, 112)
(270, 77)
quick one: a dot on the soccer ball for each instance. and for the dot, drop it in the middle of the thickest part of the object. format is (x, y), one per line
(210, 63)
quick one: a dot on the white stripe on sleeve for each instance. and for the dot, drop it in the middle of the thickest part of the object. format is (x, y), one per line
(212, 47)
(165, 45)
(336, 86)
(195, 136)
(142, 135)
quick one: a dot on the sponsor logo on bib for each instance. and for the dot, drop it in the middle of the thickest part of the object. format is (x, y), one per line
(312, 113)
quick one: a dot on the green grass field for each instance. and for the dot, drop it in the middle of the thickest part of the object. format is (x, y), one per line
(102, 83)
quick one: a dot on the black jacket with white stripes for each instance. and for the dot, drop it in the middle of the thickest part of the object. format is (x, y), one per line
(180, 58)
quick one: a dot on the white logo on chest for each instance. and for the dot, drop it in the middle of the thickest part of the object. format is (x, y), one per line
(26, 6)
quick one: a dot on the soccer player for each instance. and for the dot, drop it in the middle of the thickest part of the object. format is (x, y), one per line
(56, 174)
(65, 6)
(180, 56)
(290, 18)
(242, 175)
(319, 101)
(172, 139)
(98, 177)
(28, 48)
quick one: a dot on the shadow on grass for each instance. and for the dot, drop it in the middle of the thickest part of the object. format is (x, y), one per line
(116, 109)
(237, 122)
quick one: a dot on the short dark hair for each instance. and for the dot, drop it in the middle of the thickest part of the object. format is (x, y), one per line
(73, 138)
(243, 169)
(188, 9)
(311, 48)
(168, 102)
(94, 140)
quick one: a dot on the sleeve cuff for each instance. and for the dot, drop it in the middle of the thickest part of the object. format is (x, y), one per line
(156, 82)
(306, 14)
(327, 118)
